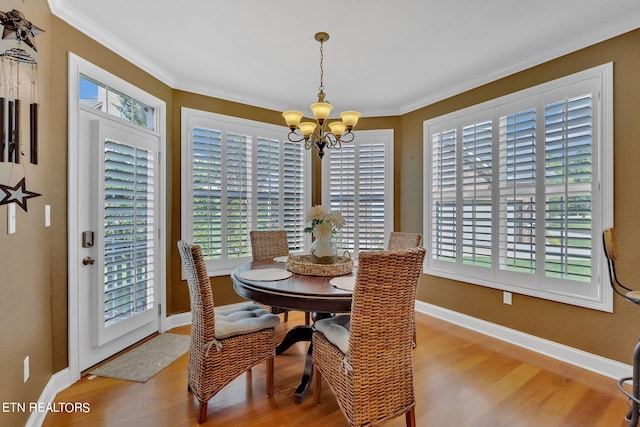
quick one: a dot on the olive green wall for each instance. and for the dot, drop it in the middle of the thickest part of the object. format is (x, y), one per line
(33, 261)
(609, 335)
(25, 257)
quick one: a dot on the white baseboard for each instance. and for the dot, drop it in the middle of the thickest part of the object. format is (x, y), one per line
(58, 382)
(176, 320)
(591, 362)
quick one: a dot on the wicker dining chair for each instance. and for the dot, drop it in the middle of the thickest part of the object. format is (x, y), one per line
(399, 240)
(224, 342)
(366, 357)
(269, 244)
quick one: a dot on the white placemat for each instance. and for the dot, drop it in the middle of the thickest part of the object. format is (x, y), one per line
(343, 282)
(281, 258)
(266, 274)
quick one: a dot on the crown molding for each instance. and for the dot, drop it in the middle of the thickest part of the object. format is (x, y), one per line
(105, 37)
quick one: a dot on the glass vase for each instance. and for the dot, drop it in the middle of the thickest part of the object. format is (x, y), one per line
(323, 251)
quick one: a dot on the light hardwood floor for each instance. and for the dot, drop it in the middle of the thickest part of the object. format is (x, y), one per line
(462, 379)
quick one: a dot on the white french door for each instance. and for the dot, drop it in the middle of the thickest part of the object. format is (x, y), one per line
(116, 216)
(118, 290)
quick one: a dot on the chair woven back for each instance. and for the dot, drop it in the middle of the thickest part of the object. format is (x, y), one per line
(268, 244)
(373, 383)
(398, 240)
(380, 335)
(200, 296)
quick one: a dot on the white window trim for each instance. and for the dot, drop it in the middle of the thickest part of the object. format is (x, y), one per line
(192, 117)
(384, 136)
(601, 297)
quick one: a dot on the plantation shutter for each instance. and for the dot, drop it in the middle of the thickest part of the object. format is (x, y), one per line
(293, 195)
(207, 191)
(238, 186)
(568, 188)
(444, 197)
(268, 184)
(344, 194)
(280, 189)
(129, 224)
(221, 186)
(357, 187)
(371, 211)
(517, 209)
(476, 194)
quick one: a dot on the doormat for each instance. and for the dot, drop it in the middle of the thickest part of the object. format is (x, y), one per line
(143, 362)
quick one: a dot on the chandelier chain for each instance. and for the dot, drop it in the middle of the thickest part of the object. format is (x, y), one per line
(321, 88)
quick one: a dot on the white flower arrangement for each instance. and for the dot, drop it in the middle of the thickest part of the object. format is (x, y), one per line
(323, 223)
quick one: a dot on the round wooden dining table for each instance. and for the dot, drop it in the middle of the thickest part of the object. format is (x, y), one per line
(314, 294)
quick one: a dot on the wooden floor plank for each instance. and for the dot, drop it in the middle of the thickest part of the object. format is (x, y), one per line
(462, 379)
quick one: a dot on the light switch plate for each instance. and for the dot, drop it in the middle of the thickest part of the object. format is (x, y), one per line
(11, 218)
(506, 297)
(47, 215)
(25, 368)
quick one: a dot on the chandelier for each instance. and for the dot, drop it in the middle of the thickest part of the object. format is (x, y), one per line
(315, 135)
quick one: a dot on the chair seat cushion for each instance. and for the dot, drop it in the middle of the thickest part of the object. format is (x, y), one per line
(243, 319)
(336, 329)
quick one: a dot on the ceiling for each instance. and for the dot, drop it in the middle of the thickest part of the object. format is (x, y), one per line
(384, 57)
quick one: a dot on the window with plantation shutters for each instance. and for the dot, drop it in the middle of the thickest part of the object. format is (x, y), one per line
(358, 182)
(518, 190)
(239, 175)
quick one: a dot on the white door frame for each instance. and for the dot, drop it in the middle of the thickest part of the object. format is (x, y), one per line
(78, 65)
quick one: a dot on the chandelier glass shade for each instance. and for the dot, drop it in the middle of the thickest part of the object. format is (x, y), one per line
(315, 134)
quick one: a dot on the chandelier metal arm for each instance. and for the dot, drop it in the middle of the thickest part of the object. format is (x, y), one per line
(293, 135)
(326, 139)
(343, 140)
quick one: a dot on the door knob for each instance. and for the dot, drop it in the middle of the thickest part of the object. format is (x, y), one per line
(88, 260)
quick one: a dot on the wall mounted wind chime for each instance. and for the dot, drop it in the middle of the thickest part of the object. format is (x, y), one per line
(17, 51)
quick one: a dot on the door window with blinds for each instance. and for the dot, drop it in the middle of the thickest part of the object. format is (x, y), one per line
(129, 207)
(240, 175)
(358, 182)
(519, 189)
(128, 210)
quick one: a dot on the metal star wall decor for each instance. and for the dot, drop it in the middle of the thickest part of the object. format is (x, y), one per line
(17, 27)
(17, 194)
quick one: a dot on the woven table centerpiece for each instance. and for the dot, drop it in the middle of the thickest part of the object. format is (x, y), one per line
(301, 264)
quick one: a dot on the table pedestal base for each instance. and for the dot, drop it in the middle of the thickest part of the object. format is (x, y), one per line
(298, 334)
